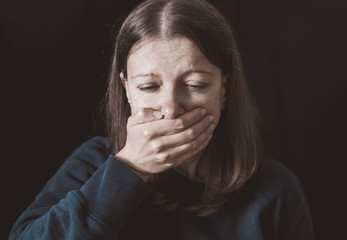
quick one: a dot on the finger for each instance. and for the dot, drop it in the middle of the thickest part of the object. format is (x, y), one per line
(172, 126)
(185, 150)
(186, 155)
(188, 134)
(144, 115)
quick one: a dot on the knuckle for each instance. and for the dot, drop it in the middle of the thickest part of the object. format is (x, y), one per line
(156, 147)
(141, 112)
(194, 144)
(169, 165)
(190, 133)
(147, 133)
(164, 157)
(179, 123)
(141, 115)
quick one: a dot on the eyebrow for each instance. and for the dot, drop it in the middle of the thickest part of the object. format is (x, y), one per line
(145, 75)
(190, 71)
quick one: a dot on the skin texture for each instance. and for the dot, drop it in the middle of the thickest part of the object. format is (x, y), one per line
(176, 96)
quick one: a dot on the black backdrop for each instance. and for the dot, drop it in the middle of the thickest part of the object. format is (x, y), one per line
(54, 61)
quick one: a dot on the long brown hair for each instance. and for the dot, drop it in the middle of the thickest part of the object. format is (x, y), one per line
(235, 150)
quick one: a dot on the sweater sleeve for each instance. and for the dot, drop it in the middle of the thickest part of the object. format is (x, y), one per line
(90, 197)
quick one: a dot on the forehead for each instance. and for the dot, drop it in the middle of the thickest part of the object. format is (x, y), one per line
(159, 55)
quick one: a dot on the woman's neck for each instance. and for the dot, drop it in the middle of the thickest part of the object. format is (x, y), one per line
(188, 169)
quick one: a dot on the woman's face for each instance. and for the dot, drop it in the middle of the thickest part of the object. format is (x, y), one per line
(173, 76)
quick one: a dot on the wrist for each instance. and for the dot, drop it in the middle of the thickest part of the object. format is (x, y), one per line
(122, 157)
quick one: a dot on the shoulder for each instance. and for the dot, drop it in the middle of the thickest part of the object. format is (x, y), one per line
(94, 148)
(89, 155)
(79, 166)
(286, 213)
(273, 179)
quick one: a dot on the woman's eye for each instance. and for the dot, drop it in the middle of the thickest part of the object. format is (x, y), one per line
(148, 88)
(195, 86)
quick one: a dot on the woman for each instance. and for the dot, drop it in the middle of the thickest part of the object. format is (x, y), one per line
(183, 157)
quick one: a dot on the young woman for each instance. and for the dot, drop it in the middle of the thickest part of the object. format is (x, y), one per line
(183, 156)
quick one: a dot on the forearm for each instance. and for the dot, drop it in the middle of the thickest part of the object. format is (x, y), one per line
(108, 198)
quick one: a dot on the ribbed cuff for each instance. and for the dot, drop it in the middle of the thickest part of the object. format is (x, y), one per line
(114, 192)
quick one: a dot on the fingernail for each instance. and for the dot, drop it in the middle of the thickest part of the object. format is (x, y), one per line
(210, 118)
(157, 114)
(209, 138)
(203, 112)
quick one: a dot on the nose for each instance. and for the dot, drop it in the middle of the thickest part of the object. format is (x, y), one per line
(172, 105)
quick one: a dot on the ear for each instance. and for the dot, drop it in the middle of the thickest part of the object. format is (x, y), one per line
(121, 75)
(222, 92)
(125, 84)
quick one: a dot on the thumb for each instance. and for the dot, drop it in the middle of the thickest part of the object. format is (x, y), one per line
(144, 115)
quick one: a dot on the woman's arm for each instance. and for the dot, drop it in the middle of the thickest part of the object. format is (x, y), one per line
(90, 197)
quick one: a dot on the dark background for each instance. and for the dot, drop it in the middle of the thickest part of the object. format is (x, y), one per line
(54, 58)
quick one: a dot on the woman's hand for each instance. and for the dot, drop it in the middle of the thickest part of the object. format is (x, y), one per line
(155, 144)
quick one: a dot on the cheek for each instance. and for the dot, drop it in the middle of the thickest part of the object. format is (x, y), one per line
(211, 102)
(135, 100)
(213, 108)
(141, 100)
(137, 103)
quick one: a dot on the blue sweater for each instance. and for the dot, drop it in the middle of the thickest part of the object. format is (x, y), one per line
(95, 196)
